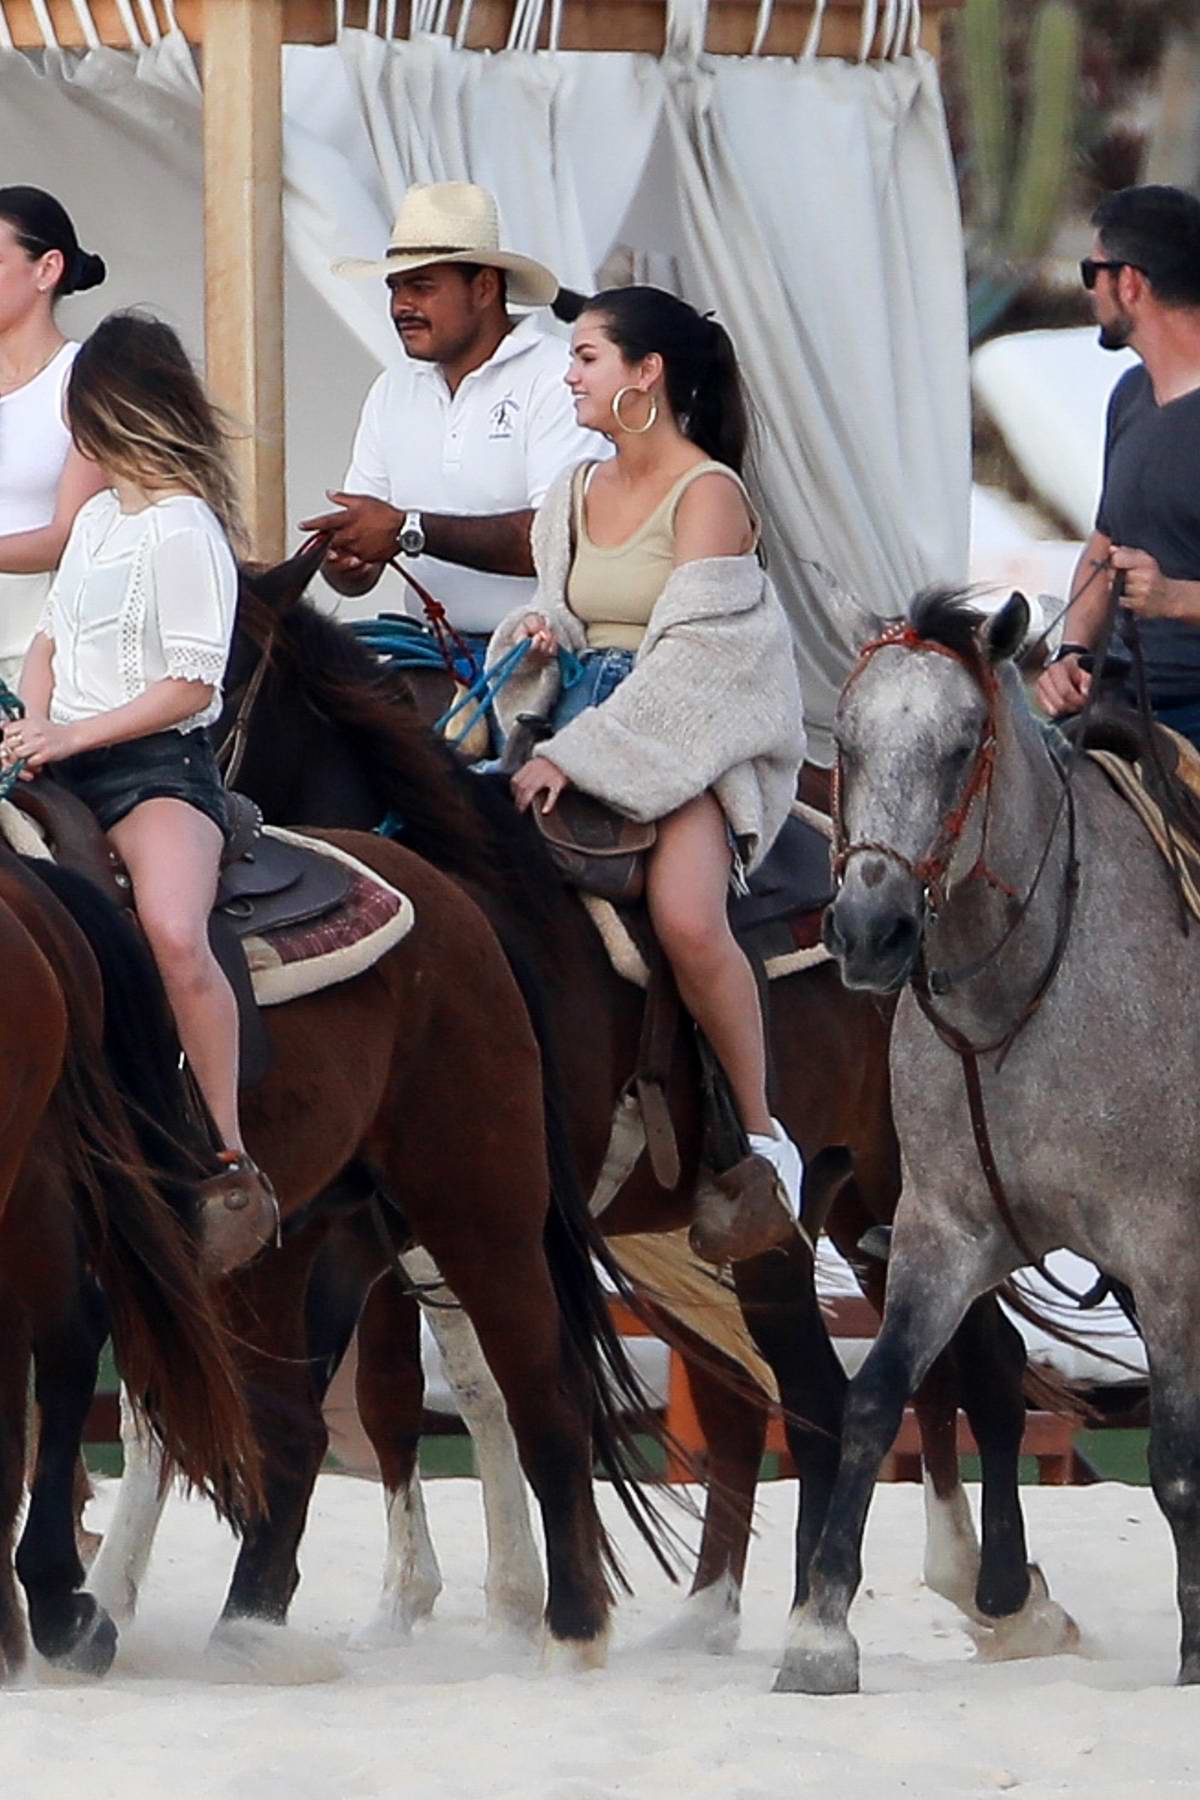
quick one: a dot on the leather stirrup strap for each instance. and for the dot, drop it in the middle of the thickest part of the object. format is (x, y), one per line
(656, 1052)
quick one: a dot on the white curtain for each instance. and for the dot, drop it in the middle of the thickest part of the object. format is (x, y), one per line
(810, 203)
(116, 136)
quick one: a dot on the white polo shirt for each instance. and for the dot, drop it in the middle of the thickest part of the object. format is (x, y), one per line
(493, 447)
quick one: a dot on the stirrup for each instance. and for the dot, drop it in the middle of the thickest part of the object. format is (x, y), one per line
(238, 1213)
(741, 1213)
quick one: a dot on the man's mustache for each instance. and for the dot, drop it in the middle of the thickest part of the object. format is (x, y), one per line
(406, 320)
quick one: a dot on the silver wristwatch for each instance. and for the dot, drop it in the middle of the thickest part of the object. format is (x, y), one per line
(411, 535)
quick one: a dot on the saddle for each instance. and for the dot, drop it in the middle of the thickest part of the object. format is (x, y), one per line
(1159, 777)
(268, 885)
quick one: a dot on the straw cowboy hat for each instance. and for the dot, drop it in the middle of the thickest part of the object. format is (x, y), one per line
(453, 222)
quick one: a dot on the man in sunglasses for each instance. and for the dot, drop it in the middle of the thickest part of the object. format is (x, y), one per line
(1144, 279)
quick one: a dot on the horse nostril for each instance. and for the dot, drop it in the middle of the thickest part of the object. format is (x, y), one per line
(831, 934)
(898, 934)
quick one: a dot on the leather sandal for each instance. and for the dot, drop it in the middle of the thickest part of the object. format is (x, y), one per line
(239, 1214)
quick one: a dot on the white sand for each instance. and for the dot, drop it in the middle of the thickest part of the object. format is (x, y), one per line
(456, 1714)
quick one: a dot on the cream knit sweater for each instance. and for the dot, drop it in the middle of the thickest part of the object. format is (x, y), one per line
(713, 700)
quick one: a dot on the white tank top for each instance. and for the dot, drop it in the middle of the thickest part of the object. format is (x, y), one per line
(34, 441)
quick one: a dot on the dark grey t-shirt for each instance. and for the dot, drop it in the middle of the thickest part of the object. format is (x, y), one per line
(1151, 501)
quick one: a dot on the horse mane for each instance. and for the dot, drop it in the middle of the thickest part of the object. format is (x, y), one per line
(946, 616)
(453, 818)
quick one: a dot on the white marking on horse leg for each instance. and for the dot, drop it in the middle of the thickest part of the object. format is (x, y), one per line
(116, 1576)
(514, 1586)
(951, 1549)
(576, 1655)
(412, 1579)
(818, 1657)
(1041, 1628)
(709, 1620)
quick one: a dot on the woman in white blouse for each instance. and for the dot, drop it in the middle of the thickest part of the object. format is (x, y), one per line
(44, 479)
(124, 675)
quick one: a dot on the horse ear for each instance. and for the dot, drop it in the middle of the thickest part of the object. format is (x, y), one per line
(282, 584)
(1005, 632)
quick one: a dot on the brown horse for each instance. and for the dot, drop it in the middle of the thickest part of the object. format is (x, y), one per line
(89, 1238)
(362, 1112)
(331, 736)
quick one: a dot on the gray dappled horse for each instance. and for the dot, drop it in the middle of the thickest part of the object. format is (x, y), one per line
(1083, 1008)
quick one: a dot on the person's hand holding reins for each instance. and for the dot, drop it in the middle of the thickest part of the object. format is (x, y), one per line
(537, 628)
(1146, 592)
(364, 531)
(35, 742)
(1063, 687)
(539, 776)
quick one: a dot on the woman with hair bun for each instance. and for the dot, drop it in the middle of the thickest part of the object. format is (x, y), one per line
(684, 707)
(44, 479)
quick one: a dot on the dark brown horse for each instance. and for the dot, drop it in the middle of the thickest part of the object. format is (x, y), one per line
(330, 736)
(89, 1239)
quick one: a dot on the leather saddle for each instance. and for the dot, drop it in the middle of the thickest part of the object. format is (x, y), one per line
(265, 885)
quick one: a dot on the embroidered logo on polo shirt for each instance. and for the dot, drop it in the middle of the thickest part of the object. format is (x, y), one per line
(503, 417)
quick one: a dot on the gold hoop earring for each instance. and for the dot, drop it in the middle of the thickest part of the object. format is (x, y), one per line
(633, 430)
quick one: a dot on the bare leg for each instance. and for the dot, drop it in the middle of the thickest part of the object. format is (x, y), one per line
(172, 852)
(687, 887)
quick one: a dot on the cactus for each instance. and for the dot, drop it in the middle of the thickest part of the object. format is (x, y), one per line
(1019, 186)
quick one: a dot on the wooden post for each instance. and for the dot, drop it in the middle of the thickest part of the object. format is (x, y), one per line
(243, 232)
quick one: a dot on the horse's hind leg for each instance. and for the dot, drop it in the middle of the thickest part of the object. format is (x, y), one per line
(514, 1586)
(14, 1377)
(117, 1574)
(732, 1413)
(1010, 1595)
(1172, 1332)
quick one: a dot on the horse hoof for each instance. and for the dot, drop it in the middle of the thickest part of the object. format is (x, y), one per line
(90, 1645)
(1041, 1628)
(576, 1655)
(517, 1617)
(709, 1620)
(818, 1659)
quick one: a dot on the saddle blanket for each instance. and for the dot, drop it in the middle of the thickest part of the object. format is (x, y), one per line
(297, 959)
(1129, 781)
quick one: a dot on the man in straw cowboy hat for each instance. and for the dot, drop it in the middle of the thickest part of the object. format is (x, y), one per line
(459, 441)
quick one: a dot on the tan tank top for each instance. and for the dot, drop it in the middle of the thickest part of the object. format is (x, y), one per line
(612, 590)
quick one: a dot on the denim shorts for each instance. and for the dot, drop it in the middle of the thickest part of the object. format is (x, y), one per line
(174, 765)
(1184, 718)
(599, 674)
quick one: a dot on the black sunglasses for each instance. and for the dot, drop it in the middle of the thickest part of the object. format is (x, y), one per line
(1091, 266)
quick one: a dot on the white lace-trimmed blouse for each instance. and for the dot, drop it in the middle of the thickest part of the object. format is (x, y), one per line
(140, 597)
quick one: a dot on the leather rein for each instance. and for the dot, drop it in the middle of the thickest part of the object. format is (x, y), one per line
(931, 871)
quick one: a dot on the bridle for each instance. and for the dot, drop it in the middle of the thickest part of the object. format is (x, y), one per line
(929, 871)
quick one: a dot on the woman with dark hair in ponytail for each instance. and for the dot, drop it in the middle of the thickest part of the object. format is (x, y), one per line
(44, 480)
(680, 701)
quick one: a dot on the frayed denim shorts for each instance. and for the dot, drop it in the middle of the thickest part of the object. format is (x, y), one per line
(173, 765)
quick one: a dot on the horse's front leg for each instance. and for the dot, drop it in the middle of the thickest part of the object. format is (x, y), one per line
(926, 1298)
(68, 1626)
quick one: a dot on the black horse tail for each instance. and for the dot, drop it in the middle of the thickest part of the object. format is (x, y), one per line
(576, 1251)
(119, 1098)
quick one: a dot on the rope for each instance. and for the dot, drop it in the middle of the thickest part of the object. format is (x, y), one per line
(13, 707)
(482, 692)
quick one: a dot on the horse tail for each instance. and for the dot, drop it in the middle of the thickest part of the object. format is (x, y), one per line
(576, 1251)
(117, 1102)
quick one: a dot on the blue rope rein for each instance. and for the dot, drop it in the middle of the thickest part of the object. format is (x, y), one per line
(13, 707)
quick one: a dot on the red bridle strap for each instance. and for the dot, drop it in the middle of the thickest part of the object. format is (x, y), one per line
(930, 869)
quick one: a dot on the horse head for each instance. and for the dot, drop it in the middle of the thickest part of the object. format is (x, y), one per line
(915, 733)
